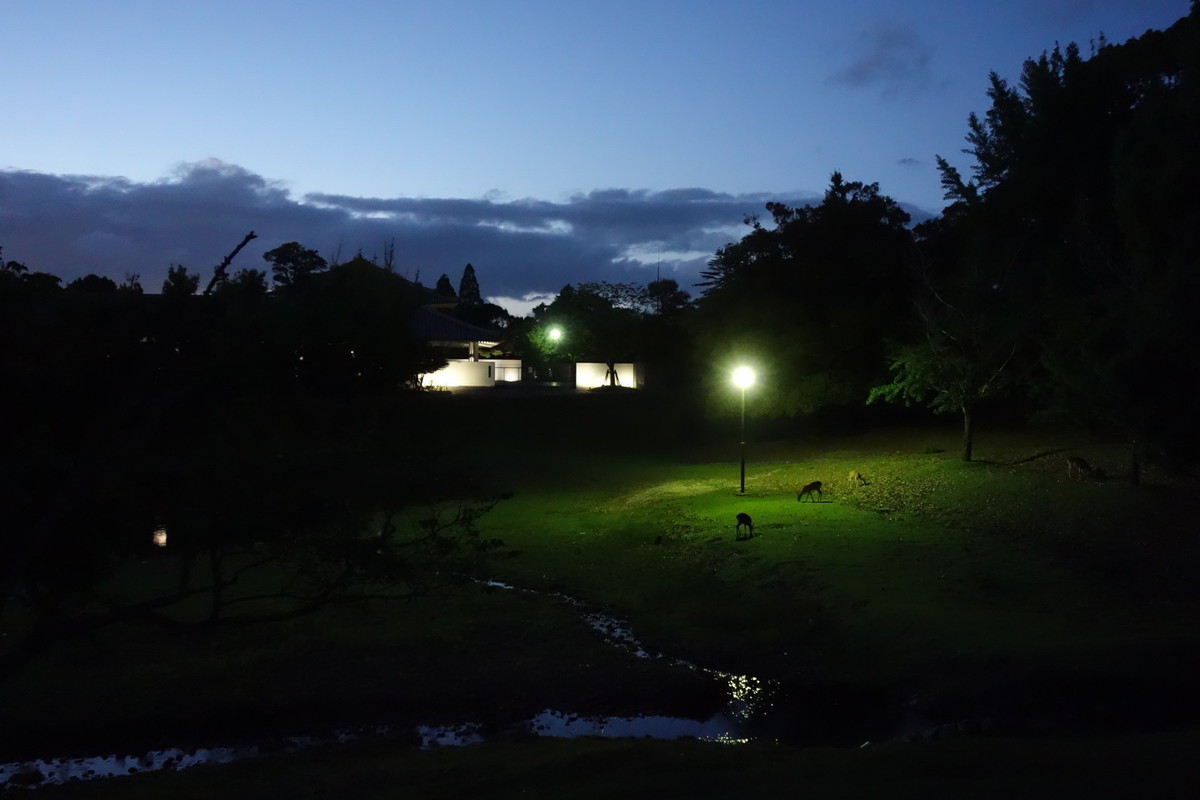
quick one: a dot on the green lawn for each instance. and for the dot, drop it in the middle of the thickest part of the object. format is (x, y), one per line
(970, 589)
(935, 560)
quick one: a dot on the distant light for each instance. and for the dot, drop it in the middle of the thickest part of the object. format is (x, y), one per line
(743, 377)
(160, 536)
(555, 333)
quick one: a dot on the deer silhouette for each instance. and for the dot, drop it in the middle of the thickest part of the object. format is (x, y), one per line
(1077, 466)
(808, 489)
(744, 521)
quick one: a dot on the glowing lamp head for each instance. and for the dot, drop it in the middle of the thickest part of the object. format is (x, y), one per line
(160, 536)
(555, 333)
(743, 377)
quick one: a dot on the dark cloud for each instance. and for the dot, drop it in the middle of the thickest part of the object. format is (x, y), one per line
(72, 225)
(909, 161)
(890, 57)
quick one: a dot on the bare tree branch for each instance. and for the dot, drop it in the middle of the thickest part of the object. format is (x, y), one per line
(219, 272)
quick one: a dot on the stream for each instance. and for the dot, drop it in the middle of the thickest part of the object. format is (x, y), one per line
(749, 709)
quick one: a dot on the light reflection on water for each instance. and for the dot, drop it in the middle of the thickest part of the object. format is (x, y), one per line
(455, 735)
(68, 770)
(720, 728)
(748, 695)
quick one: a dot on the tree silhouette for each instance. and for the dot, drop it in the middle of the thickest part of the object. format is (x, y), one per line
(132, 284)
(1069, 241)
(665, 298)
(293, 266)
(179, 282)
(444, 287)
(811, 298)
(92, 284)
(468, 287)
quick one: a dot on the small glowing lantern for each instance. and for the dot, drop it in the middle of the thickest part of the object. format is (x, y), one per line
(160, 536)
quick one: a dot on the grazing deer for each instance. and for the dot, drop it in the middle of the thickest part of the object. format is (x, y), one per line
(1077, 466)
(857, 477)
(808, 489)
(744, 521)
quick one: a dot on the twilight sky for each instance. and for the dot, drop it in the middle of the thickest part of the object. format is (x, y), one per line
(544, 141)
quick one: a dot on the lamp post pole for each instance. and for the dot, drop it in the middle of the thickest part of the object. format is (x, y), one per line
(743, 378)
(743, 484)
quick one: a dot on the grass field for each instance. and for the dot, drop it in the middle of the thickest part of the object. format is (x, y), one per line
(996, 589)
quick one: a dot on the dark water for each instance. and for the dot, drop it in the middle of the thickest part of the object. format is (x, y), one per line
(754, 709)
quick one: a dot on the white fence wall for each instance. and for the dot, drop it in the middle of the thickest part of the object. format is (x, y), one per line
(461, 372)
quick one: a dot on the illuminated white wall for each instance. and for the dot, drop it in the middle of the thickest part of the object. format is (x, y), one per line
(465, 372)
(592, 375)
(508, 370)
(461, 372)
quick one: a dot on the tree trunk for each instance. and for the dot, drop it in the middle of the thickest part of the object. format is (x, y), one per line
(968, 433)
(1135, 464)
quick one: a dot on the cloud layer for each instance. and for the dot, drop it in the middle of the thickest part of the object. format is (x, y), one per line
(74, 225)
(891, 57)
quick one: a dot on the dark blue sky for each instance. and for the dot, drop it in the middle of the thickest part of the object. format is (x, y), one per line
(545, 141)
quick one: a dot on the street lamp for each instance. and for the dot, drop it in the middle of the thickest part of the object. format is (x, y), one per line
(743, 378)
(550, 353)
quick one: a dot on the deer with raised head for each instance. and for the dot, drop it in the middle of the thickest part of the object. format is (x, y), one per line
(857, 477)
(1077, 466)
(744, 521)
(808, 489)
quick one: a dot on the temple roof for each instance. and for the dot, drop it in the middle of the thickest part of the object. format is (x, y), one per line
(434, 326)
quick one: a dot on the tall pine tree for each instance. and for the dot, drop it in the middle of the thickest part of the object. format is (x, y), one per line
(468, 288)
